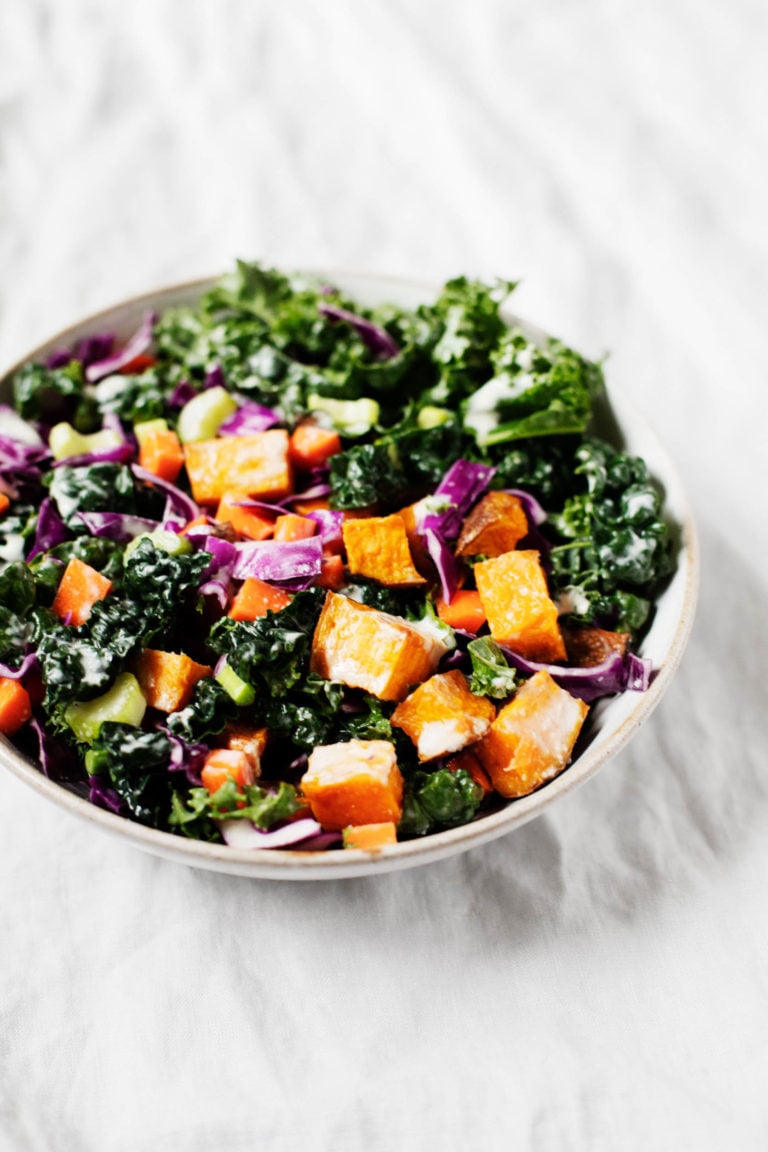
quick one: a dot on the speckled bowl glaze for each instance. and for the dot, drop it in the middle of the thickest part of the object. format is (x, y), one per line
(613, 720)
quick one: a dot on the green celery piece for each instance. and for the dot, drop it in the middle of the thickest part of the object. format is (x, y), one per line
(123, 703)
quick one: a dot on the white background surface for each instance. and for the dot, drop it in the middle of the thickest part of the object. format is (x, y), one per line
(599, 978)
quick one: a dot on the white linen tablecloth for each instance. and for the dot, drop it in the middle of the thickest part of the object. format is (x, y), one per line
(599, 978)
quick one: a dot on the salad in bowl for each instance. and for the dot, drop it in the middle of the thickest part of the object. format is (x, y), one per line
(311, 572)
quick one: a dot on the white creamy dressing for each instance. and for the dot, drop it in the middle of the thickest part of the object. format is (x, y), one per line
(572, 599)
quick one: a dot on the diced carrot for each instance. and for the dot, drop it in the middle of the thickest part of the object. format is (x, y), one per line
(355, 782)
(79, 589)
(138, 365)
(365, 648)
(311, 446)
(289, 526)
(253, 523)
(370, 837)
(377, 548)
(5, 503)
(257, 464)
(464, 612)
(255, 598)
(467, 760)
(251, 741)
(442, 715)
(532, 738)
(494, 526)
(224, 763)
(15, 705)
(521, 614)
(331, 573)
(160, 452)
(167, 679)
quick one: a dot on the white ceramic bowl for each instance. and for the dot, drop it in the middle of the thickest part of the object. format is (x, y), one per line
(613, 720)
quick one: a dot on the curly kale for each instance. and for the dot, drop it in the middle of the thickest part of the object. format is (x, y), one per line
(439, 799)
(208, 712)
(137, 766)
(51, 395)
(159, 582)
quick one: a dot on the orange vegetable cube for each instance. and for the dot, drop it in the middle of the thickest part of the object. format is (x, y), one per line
(532, 738)
(377, 548)
(5, 503)
(465, 610)
(370, 837)
(357, 782)
(160, 452)
(494, 526)
(79, 589)
(250, 741)
(15, 705)
(311, 446)
(223, 763)
(289, 526)
(257, 464)
(442, 715)
(364, 648)
(513, 591)
(167, 679)
(253, 523)
(255, 598)
(331, 572)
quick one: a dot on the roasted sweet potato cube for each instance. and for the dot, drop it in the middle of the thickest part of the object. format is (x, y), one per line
(532, 738)
(357, 782)
(364, 648)
(168, 679)
(370, 837)
(250, 741)
(256, 464)
(586, 645)
(495, 525)
(520, 612)
(442, 715)
(377, 548)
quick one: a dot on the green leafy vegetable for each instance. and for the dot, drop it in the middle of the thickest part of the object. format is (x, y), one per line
(439, 799)
(491, 674)
(136, 764)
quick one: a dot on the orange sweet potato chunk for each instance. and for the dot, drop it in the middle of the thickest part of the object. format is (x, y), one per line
(168, 679)
(377, 548)
(357, 782)
(364, 648)
(370, 837)
(257, 464)
(442, 715)
(532, 738)
(494, 526)
(520, 612)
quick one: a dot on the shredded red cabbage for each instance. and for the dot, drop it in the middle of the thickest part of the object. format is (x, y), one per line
(118, 526)
(245, 834)
(376, 339)
(178, 502)
(50, 531)
(294, 563)
(463, 484)
(329, 524)
(249, 418)
(617, 673)
(29, 662)
(139, 342)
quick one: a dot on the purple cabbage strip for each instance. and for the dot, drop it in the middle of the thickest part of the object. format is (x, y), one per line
(249, 419)
(88, 351)
(329, 524)
(181, 395)
(29, 661)
(292, 564)
(463, 484)
(245, 834)
(615, 674)
(137, 344)
(178, 501)
(376, 339)
(118, 526)
(187, 758)
(533, 510)
(50, 530)
(103, 796)
(442, 557)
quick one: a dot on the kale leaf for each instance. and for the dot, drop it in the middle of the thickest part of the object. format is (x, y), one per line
(92, 488)
(207, 713)
(137, 764)
(162, 583)
(194, 814)
(439, 799)
(51, 395)
(491, 674)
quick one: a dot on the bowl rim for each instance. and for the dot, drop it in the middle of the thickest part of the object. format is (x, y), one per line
(305, 865)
